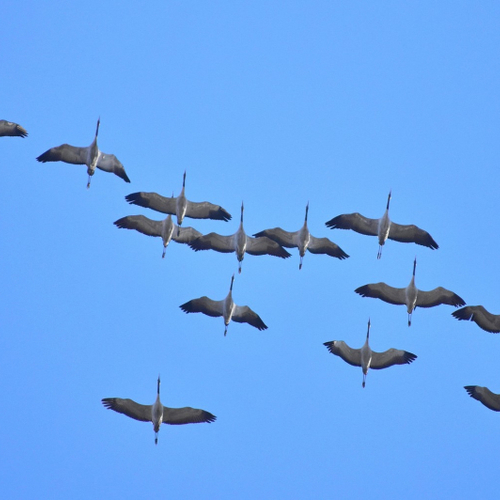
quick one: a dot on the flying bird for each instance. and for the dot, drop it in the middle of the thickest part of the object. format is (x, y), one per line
(180, 206)
(483, 394)
(240, 243)
(483, 318)
(11, 129)
(366, 358)
(410, 296)
(383, 228)
(166, 229)
(157, 413)
(90, 156)
(225, 308)
(303, 240)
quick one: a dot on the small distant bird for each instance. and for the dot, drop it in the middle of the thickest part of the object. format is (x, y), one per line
(366, 358)
(303, 240)
(157, 413)
(11, 129)
(180, 206)
(166, 229)
(90, 156)
(240, 243)
(410, 296)
(383, 228)
(483, 394)
(225, 308)
(483, 318)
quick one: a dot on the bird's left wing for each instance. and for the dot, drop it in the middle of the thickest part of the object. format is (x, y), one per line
(243, 314)
(438, 296)
(186, 415)
(391, 357)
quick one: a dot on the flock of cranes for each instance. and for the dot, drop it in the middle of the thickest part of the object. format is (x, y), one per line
(267, 242)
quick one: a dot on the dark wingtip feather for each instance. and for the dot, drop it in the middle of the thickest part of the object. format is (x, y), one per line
(107, 402)
(210, 418)
(343, 255)
(133, 198)
(471, 390)
(333, 223)
(186, 307)
(196, 246)
(284, 254)
(462, 314)
(120, 223)
(329, 345)
(410, 357)
(22, 132)
(224, 215)
(458, 301)
(362, 290)
(43, 157)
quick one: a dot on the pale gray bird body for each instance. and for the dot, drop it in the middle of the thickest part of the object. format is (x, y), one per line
(157, 413)
(90, 156)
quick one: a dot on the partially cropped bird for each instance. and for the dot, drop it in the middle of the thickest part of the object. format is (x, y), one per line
(11, 129)
(240, 243)
(410, 296)
(366, 358)
(166, 229)
(91, 156)
(157, 413)
(225, 308)
(303, 240)
(483, 394)
(478, 314)
(383, 228)
(180, 206)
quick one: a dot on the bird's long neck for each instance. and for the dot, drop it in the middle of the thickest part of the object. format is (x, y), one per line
(158, 388)
(307, 210)
(97, 128)
(389, 200)
(241, 216)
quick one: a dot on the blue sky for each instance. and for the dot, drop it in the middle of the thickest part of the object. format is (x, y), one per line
(276, 105)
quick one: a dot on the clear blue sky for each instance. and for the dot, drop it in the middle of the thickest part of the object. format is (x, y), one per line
(275, 104)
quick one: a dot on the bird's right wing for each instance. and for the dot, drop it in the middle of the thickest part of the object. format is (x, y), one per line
(384, 292)
(186, 235)
(283, 238)
(129, 408)
(348, 354)
(213, 241)
(356, 222)
(65, 153)
(153, 201)
(204, 305)
(141, 224)
(484, 319)
(391, 357)
(483, 394)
